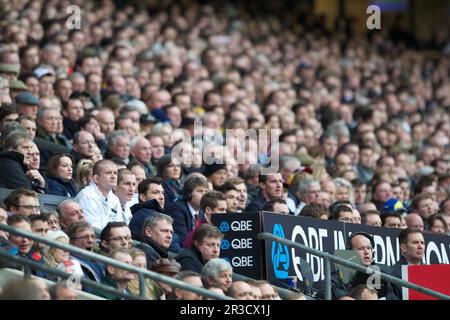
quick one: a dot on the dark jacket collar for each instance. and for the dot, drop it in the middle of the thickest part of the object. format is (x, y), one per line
(150, 204)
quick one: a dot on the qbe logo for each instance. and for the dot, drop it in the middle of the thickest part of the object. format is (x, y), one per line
(224, 226)
(280, 254)
(225, 245)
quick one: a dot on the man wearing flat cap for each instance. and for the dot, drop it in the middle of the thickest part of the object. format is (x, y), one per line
(9, 71)
(16, 87)
(27, 104)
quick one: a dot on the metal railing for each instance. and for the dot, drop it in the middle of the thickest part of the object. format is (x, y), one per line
(142, 273)
(366, 270)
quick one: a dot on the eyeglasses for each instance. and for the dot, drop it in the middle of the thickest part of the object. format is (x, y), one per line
(127, 238)
(88, 236)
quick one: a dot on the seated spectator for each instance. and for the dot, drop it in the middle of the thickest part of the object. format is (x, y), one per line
(116, 277)
(240, 290)
(118, 147)
(153, 290)
(232, 195)
(62, 291)
(216, 174)
(271, 187)
(206, 246)
(47, 120)
(268, 292)
(219, 273)
(22, 202)
(115, 235)
(27, 289)
(14, 172)
(126, 185)
(60, 259)
(193, 279)
(185, 211)
(315, 210)
(39, 226)
(100, 204)
(362, 292)
(341, 212)
(157, 233)
(84, 173)
(169, 169)
(90, 124)
(72, 111)
(391, 220)
(141, 150)
(210, 203)
(425, 205)
(82, 235)
(437, 224)
(276, 206)
(308, 192)
(168, 267)
(52, 218)
(413, 220)
(371, 218)
(151, 199)
(59, 176)
(241, 187)
(69, 212)
(24, 246)
(84, 146)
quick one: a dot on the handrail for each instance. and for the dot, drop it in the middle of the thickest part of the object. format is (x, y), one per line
(283, 293)
(366, 270)
(85, 281)
(109, 261)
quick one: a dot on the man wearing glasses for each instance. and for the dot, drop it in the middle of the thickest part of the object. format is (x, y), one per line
(114, 236)
(81, 235)
(23, 202)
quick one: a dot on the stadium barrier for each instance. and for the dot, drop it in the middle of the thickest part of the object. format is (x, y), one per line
(265, 236)
(142, 273)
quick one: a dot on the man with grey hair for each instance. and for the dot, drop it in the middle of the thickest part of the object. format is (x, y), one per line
(157, 235)
(69, 211)
(218, 273)
(309, 191)
(119, 147)
(48, 121)
(141, 150)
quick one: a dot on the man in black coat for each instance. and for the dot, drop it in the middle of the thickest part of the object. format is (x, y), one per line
(14, 172)
(363, 244)
(412, 249)
(185, 212)
(271, 187)
(206, 246)
(156, 237)
(151, 200)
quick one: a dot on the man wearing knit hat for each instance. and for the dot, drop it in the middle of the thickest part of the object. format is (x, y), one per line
(216, 174)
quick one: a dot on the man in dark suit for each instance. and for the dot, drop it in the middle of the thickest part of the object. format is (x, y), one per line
(185, 212)
(206, 246)
(412, 249)
(270, 187)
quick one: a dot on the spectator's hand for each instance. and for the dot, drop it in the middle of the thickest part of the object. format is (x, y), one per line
(35, 175)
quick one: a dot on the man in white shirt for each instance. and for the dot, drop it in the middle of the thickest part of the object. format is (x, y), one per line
(99, 203)
(126, 186)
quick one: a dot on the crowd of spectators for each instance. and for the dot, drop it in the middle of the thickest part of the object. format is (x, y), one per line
(107, 116)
